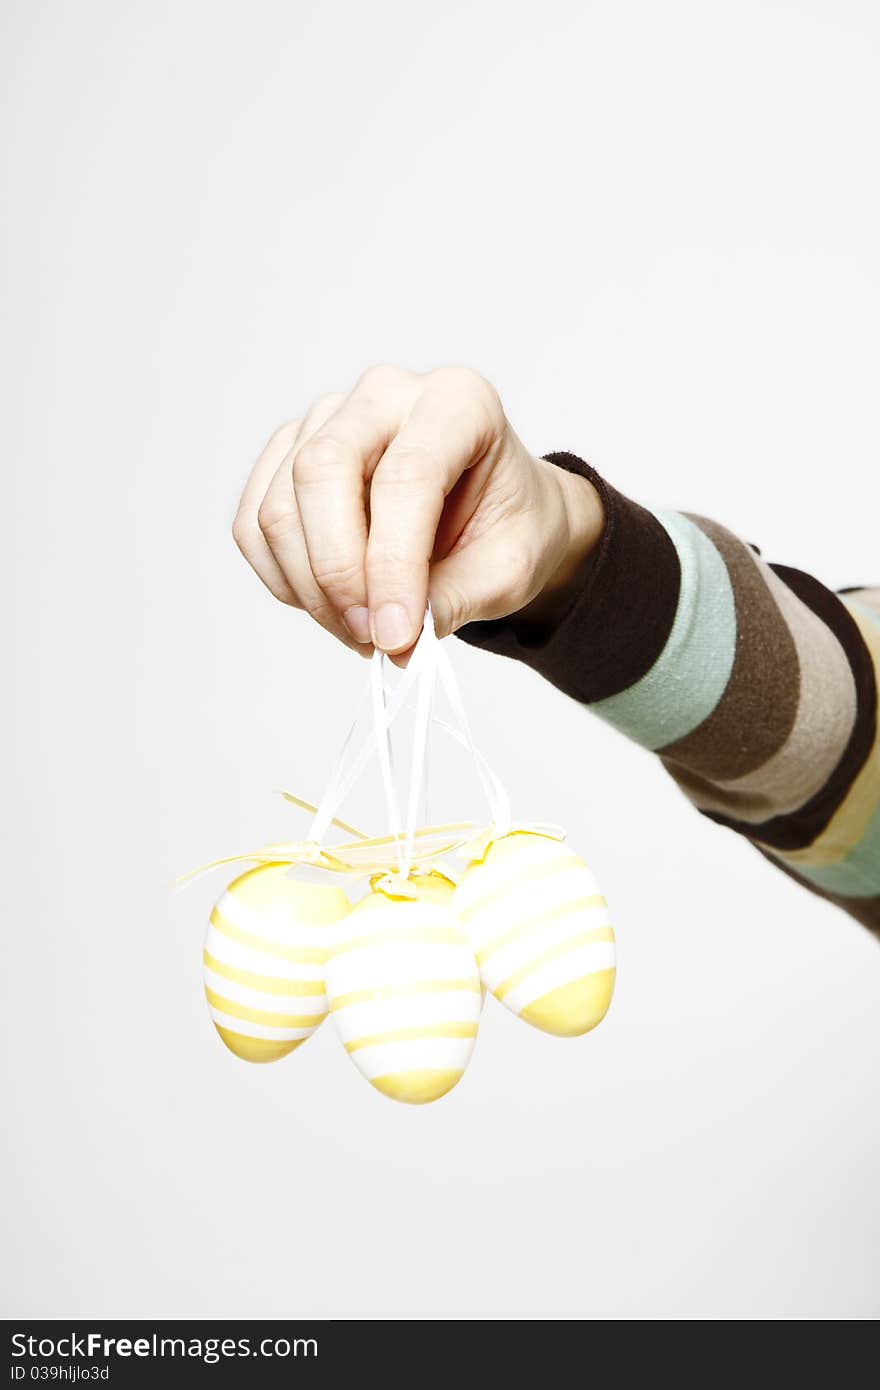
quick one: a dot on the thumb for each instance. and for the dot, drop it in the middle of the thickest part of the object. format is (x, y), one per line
(490, 578)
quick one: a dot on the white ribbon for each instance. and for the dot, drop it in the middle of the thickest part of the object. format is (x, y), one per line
(496, 796)
(418, 762)
(428, 663)
(382, 735)
(339, 787)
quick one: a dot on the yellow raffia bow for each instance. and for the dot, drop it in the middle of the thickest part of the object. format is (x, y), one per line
(394, 885)
(476, 849)
(363, 856)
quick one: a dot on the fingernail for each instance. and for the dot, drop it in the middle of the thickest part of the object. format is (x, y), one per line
(357, 620)
(392, 628)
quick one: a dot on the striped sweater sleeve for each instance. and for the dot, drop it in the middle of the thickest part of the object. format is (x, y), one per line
(755, 685)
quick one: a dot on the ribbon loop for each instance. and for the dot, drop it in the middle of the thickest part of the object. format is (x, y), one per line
(406, 846)
(428, 664)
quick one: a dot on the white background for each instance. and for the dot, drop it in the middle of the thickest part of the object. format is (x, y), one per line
(656, 229)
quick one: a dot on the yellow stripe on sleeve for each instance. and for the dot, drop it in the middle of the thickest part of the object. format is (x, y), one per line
(852, 817)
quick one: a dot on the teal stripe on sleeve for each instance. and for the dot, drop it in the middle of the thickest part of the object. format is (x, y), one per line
(689, 677)
(856, 876)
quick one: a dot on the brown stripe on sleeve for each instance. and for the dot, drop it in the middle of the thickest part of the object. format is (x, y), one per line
(617, 623)
(864, 910)
(756, 713)
(799, 828)
(825, 718)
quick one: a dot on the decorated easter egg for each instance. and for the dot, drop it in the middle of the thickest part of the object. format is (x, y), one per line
(404, 990)
(540, 930)
(264, 961)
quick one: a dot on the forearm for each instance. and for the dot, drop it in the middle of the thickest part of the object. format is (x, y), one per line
(755, 684)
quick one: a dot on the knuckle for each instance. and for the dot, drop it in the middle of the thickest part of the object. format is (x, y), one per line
(323, 613)
(459, 608)
(480, 403)
(488, 402)
(275, 516)
(283, 593)
(471, 383)
(393, 555)
(320, 412)
(284, 435)
(381, 376)
(316, 456)
(392, 568)
(244, 527)
(337, 574)
(407, 464)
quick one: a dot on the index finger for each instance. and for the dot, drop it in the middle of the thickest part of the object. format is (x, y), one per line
(330, 473)
(450, 428)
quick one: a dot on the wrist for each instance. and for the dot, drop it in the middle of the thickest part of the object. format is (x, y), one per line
(585, 518)
(577, 535)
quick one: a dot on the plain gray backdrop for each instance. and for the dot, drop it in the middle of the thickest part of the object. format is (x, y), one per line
(656, 229)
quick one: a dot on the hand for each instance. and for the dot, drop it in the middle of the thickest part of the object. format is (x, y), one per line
(412, 486)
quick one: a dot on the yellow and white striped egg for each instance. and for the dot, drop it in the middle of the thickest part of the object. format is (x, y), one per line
(404, 991)
(264, 960)
(540, 929)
